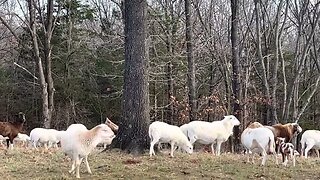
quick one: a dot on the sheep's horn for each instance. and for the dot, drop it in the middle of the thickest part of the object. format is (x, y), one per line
(107, 120)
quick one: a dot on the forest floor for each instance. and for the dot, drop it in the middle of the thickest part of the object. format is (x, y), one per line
(30, 164)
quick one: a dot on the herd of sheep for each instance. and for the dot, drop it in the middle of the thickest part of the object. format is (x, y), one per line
(77, 141)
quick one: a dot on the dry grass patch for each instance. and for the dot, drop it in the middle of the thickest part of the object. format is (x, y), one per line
(113, 164)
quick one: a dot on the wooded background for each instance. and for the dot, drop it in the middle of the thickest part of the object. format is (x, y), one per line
(62, 61)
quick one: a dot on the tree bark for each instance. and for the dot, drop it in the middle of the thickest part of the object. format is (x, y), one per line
(133, 132)
(236, 89)
(191, 65)
(47, 55)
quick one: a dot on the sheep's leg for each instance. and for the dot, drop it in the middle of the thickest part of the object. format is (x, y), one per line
(8, 141)
(49, 144)
(276, 157)
(78, 162)
(248, 155)
(283, 157)
(34, 143)
(10, 146)
(73, 166)
(307, 150)
(292, 157)
(87, 165)
(317, 151)
(212, 148)
(264, 159)
(151, 152)
(302, 149)
(172, 148)
(45, 145)
(252, 156)
(285, 160)
(218, 147)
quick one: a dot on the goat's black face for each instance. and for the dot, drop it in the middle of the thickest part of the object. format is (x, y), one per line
(21, 117)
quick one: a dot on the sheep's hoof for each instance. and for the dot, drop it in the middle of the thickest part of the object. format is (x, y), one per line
(71, 171)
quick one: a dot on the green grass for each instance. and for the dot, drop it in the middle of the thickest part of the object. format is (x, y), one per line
(114, 164)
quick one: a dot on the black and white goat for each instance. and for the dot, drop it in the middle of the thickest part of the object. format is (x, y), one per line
(287, 151)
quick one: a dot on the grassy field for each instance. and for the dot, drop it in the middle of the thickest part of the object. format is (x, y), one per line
(113, 164)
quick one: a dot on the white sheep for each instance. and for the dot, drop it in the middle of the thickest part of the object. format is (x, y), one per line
(23, 138)
(259, 140)
(160, 132)
(77, 142)
(48, 137)
(211, 132)
(310, 139)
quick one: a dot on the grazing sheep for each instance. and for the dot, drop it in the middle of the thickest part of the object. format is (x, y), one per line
(23, 138)
(258, 140)
(77, 142)
(310, 140)
(11, 129)
(160, 132)
(211, 132)
(48, 137)
(286, 150)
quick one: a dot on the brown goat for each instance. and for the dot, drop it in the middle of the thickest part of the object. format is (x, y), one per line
(286, 131)
(11, 129)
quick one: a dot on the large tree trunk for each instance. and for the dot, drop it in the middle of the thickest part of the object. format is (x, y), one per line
(236, 91)
(133, 132)
(191, 65)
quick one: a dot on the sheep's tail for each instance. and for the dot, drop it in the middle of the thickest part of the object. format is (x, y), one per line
(150, 134)
(271, 145)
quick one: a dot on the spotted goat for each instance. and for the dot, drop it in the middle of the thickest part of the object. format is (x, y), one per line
(287, 151)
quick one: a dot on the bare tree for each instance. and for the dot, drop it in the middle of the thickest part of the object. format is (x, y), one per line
(191, 65)
(47, 100)
(236, 88)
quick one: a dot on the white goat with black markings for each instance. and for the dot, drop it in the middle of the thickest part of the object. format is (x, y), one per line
(160, 132)
(258, 139)
(78, 142)
(310, 139)
(287, 151)
(210, 132)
